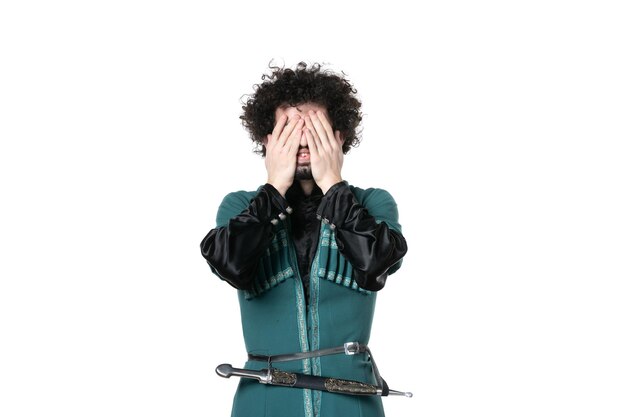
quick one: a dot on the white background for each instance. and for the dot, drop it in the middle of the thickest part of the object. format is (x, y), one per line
(497, 126)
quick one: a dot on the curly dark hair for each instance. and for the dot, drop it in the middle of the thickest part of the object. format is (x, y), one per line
(285, 86)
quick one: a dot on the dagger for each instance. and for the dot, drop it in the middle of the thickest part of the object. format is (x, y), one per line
(273, 376)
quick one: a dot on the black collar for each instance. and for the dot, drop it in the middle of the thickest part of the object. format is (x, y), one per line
(295, 193)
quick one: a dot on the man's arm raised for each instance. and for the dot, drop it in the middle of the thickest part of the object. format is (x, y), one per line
(244, 229)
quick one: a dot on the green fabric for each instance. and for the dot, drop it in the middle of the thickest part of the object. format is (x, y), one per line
(275, 318)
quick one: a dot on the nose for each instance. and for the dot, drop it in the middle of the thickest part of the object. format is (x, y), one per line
(303, 142)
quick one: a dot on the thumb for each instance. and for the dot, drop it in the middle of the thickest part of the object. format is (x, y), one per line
(339, 137)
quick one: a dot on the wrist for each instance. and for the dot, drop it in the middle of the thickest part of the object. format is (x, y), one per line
(327, 184)
(281, 188)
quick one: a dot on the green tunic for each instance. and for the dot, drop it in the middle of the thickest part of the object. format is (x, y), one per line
(275, 318)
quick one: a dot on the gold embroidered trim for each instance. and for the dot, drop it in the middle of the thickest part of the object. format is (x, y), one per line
(353, 387)
(283, 378)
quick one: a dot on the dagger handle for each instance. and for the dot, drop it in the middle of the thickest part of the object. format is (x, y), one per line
(225, 370)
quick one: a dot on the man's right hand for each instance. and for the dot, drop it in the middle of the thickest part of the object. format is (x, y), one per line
(281, 150)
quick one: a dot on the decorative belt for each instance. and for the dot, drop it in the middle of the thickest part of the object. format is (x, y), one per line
(350, 348)
(273, 376)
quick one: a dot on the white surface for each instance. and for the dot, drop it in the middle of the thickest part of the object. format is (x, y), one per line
(498, 128)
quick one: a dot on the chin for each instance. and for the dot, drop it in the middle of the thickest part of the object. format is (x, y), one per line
(303, 172)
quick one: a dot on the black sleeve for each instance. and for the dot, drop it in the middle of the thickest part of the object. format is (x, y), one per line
(372, 248)
(233, 251)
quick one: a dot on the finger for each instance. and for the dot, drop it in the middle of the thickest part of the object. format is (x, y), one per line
(339, 139)
(327, 127)
(294, 143)
(280, 124)
(309, 124)
(267, 142)
(295, 135)
(321, 132)
(286, 133)
(319, 146)
(310, 140)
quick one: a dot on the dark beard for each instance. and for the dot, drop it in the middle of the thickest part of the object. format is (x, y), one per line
(304, 173)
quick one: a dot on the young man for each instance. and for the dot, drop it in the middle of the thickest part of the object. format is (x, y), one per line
(306, 251)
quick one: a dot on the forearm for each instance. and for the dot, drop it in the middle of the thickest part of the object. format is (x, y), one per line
(370, 246)
(233, 251)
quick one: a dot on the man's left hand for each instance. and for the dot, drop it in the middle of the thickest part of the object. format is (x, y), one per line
(325, 150)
